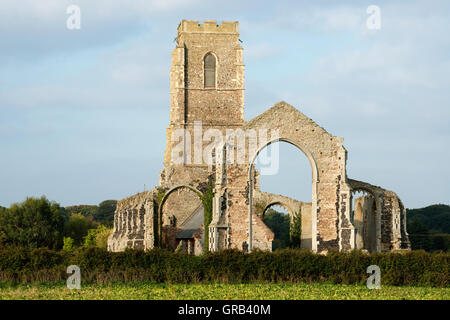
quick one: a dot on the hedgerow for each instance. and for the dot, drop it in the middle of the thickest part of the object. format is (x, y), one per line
(229, 266)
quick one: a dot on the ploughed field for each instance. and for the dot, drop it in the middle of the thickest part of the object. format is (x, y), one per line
(216, 291)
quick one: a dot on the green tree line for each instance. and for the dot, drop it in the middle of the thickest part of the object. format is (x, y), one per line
(429, 227)
(38, 222)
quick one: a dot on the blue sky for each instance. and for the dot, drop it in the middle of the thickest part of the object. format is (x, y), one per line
(83, 112)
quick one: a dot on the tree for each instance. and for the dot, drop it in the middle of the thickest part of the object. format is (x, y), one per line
(88, 211)
(33, 223)
(77, 228)
(207, 202)
(97, 237)
(279, 224)
(101, 239)
(429, 227)
(435, 217)
(68, 244)
(419, 235)
(105, 212)
(296, 229)
(441, 242)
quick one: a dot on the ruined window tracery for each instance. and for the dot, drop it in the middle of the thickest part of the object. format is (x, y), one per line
(210, 70)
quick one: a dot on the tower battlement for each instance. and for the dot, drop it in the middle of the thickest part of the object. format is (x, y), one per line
(208, 26)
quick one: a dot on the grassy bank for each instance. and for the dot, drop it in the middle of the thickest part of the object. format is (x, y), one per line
(156, 291)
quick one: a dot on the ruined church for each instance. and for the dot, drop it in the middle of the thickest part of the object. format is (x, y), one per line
(217, 204)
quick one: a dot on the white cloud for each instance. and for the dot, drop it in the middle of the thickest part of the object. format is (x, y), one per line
(259, 51)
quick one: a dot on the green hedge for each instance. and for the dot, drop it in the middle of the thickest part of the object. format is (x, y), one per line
(229, 266)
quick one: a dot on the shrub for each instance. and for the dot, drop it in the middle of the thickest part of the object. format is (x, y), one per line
(207, 201)
(97, 237)
(296, 229)
(101, 239)
(78, 227)
(68, 244)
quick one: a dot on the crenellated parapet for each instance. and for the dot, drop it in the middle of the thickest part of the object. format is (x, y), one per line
(208, 26)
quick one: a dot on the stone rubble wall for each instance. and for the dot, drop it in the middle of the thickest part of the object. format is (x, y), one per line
(134, 223)
(390, 217)
(262, 235)
(365, 223)
(327, 157)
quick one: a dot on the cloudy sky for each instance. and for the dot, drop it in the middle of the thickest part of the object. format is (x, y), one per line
(83, 112)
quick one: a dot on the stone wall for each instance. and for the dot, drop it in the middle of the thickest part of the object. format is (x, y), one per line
(327, 157)
(198, 242)
(134, 223)
(390, 217)
(365, 223)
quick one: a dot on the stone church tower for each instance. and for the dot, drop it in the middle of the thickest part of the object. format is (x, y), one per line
(206, 91)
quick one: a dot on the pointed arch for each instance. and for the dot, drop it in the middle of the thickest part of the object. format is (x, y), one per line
(164, 199)
(315, 180)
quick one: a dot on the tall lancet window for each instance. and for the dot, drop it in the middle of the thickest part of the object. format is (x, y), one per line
(210, 71)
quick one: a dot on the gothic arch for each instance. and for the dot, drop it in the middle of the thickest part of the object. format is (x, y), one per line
(278, 203)
(314, 169)
(377, 194)
(296, 144)
(329, 227)
(164, 199)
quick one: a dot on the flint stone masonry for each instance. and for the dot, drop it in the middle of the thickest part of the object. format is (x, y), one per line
(390, 217)
(134, 223)
(156, 217)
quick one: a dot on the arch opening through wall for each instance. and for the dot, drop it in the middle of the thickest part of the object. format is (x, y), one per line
(295, 179)
(181, 218)
(293, 175)
(364, 216)
(277, 218)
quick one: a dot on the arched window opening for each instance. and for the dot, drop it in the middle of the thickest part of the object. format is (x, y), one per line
(363, 218)
(277, 219)
(210, 70)
(181, 218)
(288, 186)
(292, 174)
